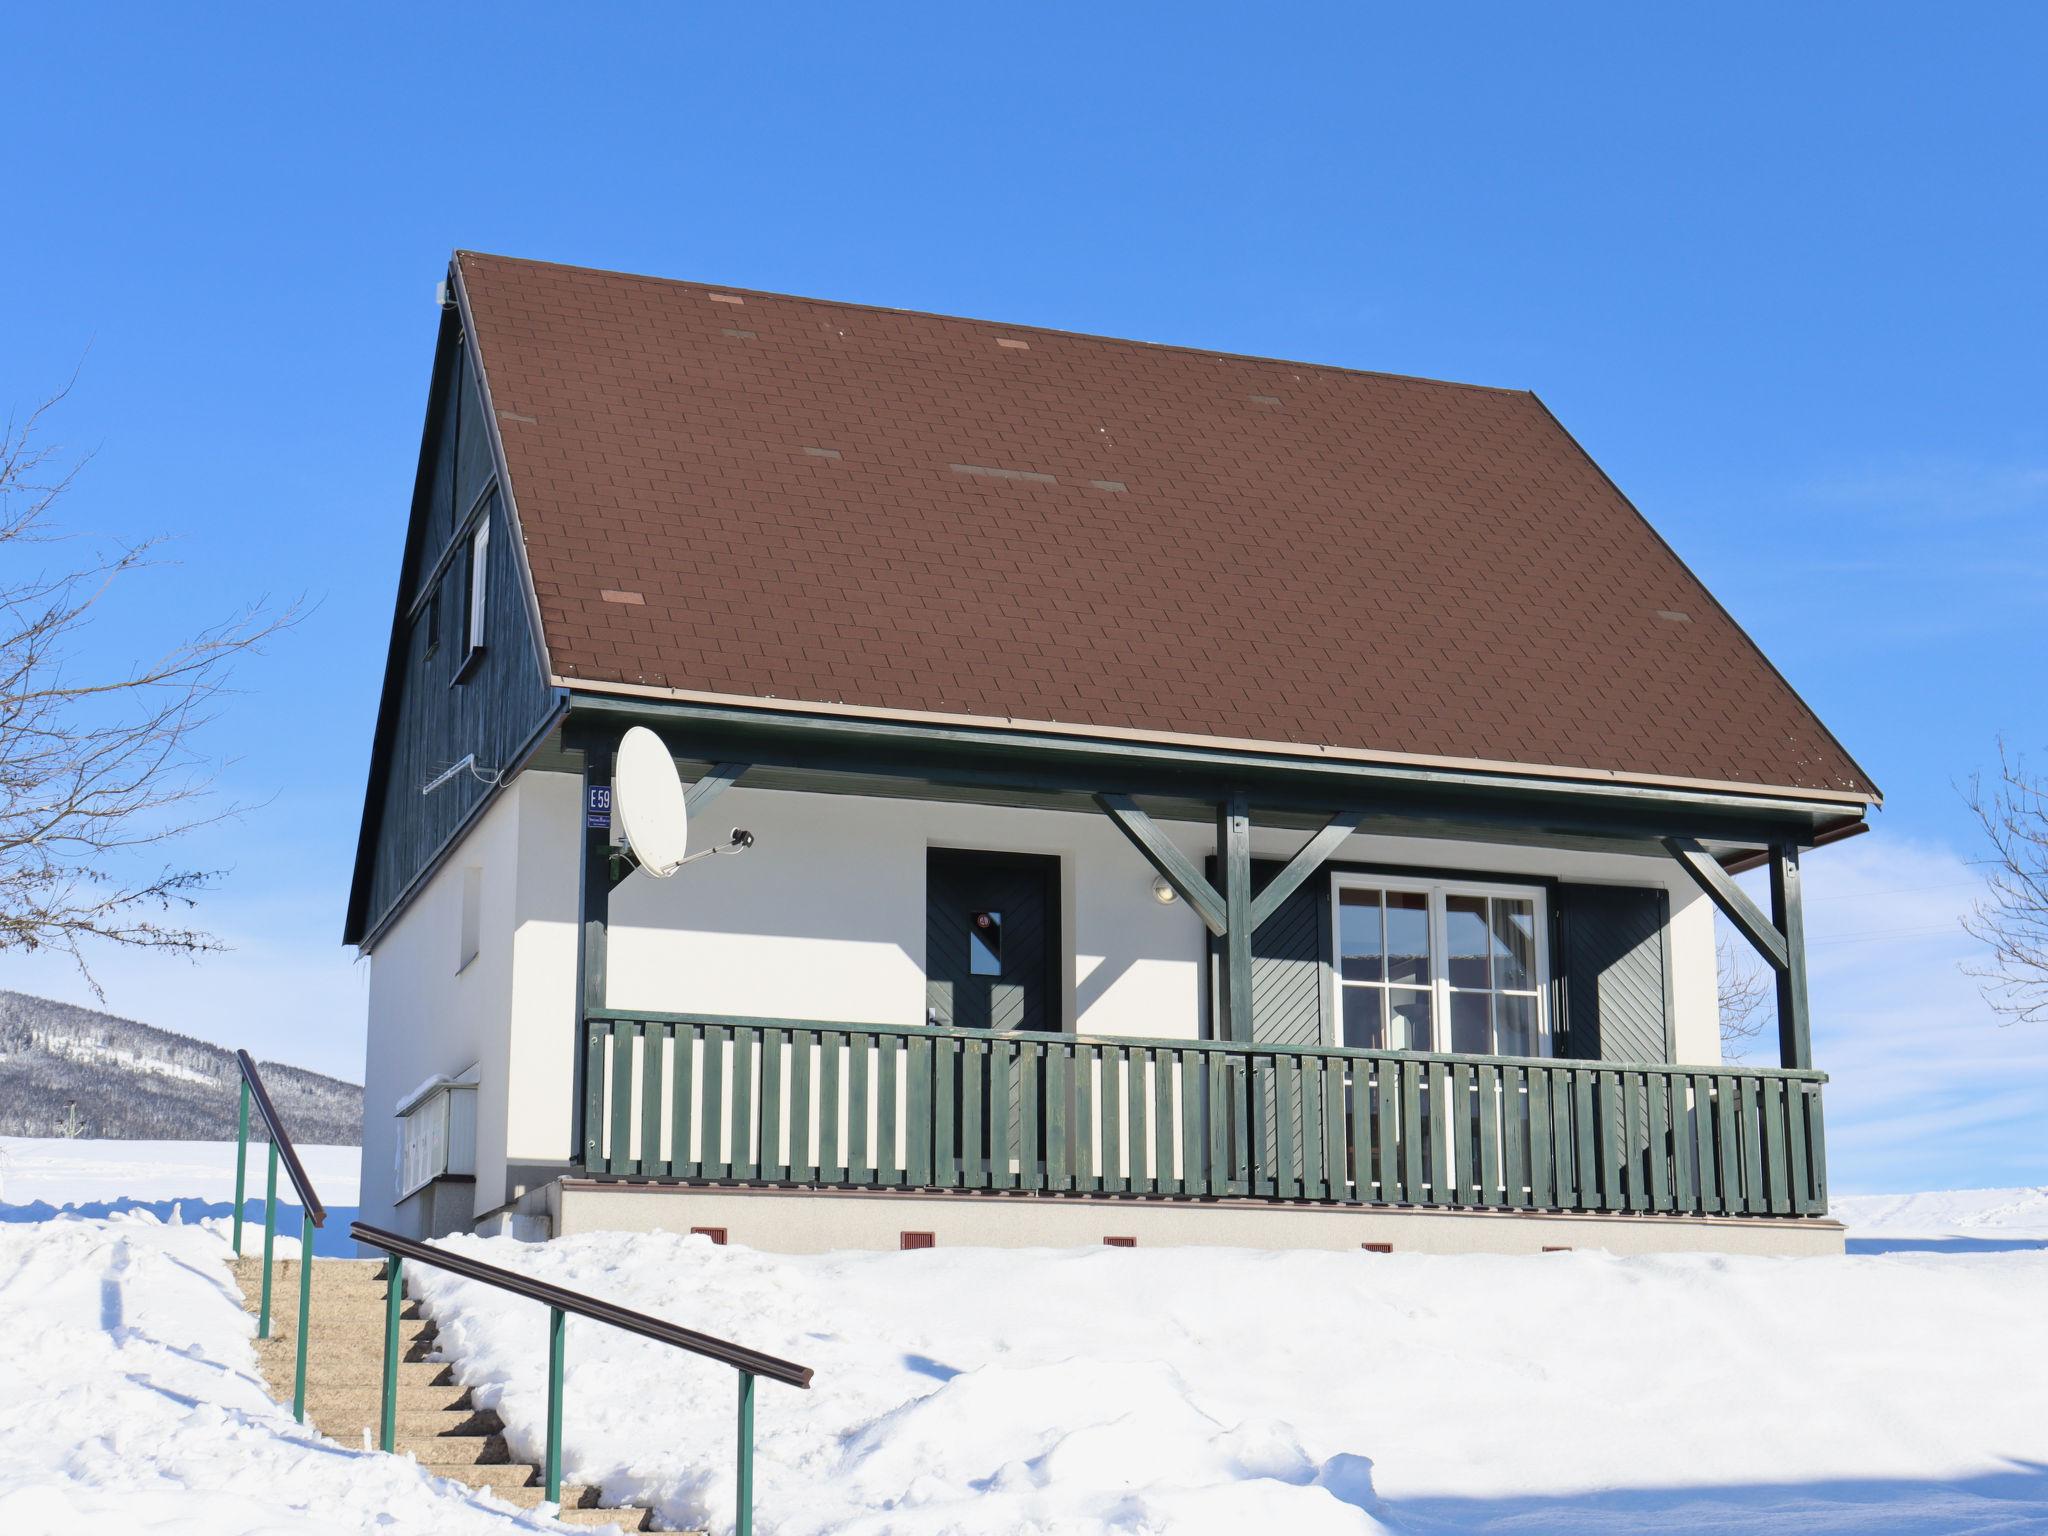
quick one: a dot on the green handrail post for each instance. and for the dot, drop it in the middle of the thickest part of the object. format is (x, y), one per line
(305, 1314)
(394, 1303)
(743, 1516)
(269, 1239)
(241, 1164)
(558, 1321)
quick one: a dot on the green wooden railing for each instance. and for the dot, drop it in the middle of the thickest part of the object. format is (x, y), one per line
(313, 1214)
(773, 1101)
(749, 1363)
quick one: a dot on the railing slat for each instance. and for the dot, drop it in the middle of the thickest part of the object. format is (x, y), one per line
(1777, 1157)
(774, 1112)
(1414, 1172)
(1030, 1120)
(1059, 1087)
(1214, 1073)
(654, 1059)
(1165, 1130)
(1634, 1134)
(1757, 1194)
(1795, 1138)
(1514, 1170)
(1703, 1141)
(716, 1163)
(1192, 1099)
(619, 1155)
(1112, 1100)
(1491, 1130)
(744, 1163)
(1661, 1084)
(860, 1073)
(831, 1070)
(684, 1115)
(917, 1113)
(1357, 1080)
(803, 1160)
(945, 1111)
(974, 1115)
(1817, 1155)
(1388, 1108)
(1002, 1114)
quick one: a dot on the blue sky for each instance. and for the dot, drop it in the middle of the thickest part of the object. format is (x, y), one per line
(1778, 274)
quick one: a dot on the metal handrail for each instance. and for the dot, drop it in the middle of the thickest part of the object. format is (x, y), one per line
(559, 1301)
(313, 1214)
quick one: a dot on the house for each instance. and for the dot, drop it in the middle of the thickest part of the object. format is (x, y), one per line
(1193, 798)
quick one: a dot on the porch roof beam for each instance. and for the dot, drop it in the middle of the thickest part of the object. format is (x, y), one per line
(1174, 867)
(720, 778)
(1311, 857)
(904, 748)
(1734, 902)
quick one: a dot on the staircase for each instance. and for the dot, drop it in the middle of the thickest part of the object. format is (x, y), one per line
(437, 1422)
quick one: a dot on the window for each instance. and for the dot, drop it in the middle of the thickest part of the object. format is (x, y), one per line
(985, 944)
(1440, 966)
(479, 571)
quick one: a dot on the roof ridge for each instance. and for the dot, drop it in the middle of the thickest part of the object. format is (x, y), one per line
(1216, 353)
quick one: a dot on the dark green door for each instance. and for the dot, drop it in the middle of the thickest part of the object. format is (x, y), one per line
(992, 940)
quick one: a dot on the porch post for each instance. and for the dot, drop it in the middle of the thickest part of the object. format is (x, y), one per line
(595, 887)
(1795, 1042)
(1234, 860)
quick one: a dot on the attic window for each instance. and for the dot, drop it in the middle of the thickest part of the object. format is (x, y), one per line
(479, 588)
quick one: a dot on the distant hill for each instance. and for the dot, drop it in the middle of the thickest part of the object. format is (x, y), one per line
(133, 1081)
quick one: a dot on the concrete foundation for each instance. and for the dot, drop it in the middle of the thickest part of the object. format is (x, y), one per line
(820, 1221)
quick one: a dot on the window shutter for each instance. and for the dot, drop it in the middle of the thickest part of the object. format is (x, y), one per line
(1614, 966)
(1290, 961)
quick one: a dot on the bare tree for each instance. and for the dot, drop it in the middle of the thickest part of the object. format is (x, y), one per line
(2011, 918)
(1744, 991)
(99, 767)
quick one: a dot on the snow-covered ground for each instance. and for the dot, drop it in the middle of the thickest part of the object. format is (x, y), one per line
(130, 1402)
(192, 1181)
(2013, 1213)
(1180, 1392)
(1197, 1391)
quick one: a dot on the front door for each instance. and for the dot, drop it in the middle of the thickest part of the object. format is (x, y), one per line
(992, 940)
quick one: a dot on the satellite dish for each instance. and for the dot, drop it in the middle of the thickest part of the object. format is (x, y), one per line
(647, 797)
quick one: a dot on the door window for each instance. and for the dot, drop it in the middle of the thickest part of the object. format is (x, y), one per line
(985, 944)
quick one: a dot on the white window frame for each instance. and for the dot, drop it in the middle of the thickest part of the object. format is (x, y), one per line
(1437, 892)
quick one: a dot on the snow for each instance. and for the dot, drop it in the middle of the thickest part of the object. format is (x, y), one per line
(1202, 1390)
(133, 1403)
(193, 1181)
(1141, 1392)
(2015, 1212)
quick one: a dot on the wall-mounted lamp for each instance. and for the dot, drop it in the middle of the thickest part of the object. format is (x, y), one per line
(1163, 893)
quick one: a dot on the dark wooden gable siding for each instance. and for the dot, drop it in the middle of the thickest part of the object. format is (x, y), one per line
(436, 709)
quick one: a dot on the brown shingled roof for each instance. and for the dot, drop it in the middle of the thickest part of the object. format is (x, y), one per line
(841, 505)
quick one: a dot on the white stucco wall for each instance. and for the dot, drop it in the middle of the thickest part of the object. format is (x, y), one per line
(509, 1012)
(824, 918)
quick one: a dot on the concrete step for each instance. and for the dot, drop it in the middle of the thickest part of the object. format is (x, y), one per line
(628, 1519)
(343, 1375)
(369, 1398)
(414, 1426)
(324, 1352)
(453, 1450)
